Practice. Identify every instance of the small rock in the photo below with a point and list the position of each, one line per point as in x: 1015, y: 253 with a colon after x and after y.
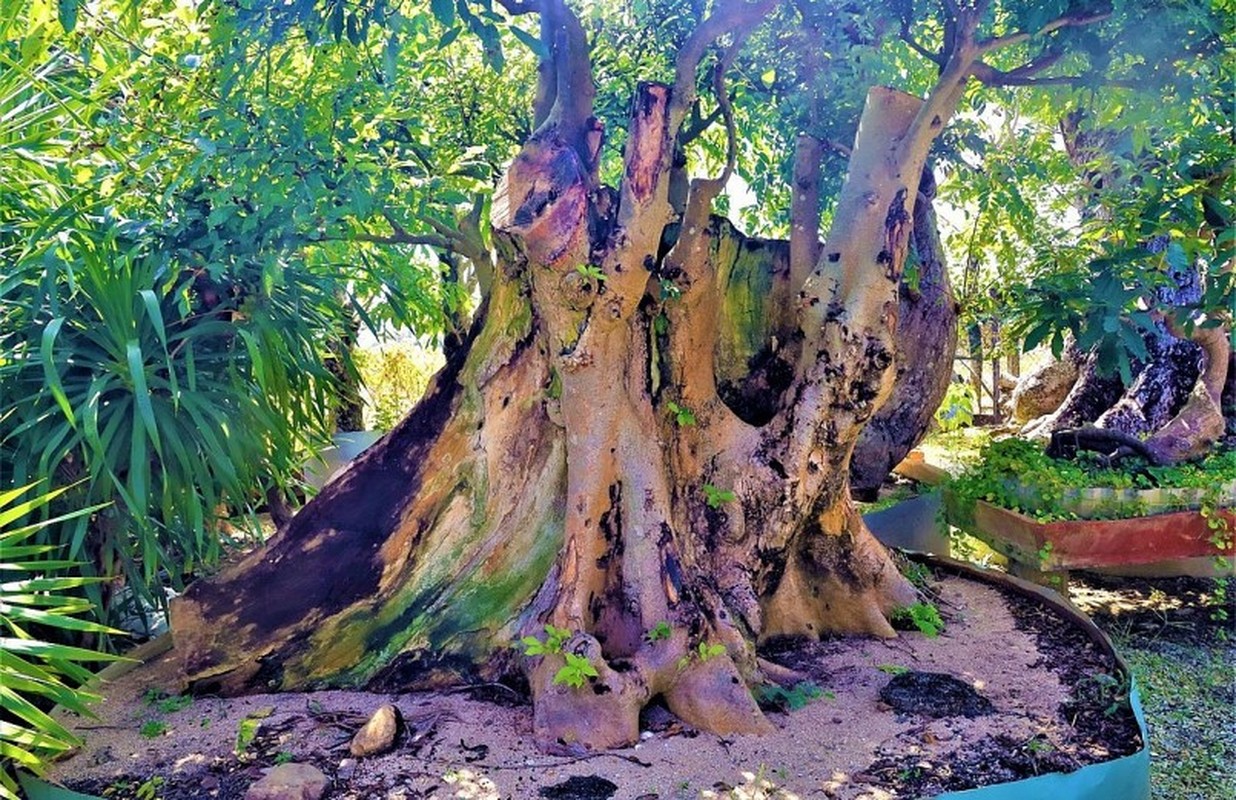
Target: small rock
x: 347, y: 768
x: 290, y: 782
x: 378, y: 734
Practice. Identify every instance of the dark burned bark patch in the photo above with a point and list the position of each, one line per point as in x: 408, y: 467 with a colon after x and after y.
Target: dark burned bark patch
x: 270, y: 672
x: 896, y: 235
x: 934, y: 694
x: 334, y: 541
x: 425, y: 669
x: 533, y: 206
x: 831, y: 555
x: 672, y: 572
x: 772, y: 570
x: 611, y: 519
x: 717, y: 521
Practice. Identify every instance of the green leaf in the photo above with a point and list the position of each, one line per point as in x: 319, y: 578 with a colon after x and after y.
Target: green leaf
x: 390, y: 58
x: 533, y: 43
x: 443, y: 11
x: 50, y: 373
x: 141, y: 391
x: 67, y: 13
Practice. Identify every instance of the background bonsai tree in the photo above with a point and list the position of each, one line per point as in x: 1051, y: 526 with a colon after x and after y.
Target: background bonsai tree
x: 1129, y: 227
x: 650, y: 418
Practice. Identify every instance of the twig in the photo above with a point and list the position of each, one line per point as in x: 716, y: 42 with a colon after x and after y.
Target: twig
x: 568, y: 760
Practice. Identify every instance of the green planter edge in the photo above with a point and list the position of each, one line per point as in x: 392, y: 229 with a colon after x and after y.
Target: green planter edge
x: 1127, y: 777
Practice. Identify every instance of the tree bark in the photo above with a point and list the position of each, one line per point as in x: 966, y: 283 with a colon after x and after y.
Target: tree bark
x: 927, y: 334
x: 1173, y: 408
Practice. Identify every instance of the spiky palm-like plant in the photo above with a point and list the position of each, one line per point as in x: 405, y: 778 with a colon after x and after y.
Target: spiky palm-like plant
x: 36, y: 599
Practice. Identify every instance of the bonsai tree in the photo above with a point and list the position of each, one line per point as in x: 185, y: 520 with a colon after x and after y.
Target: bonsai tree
x: 636, y: 458
x: 1131, y: 276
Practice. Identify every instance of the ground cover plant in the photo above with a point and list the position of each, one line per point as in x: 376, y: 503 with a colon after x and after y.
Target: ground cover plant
x: 1019, y: 474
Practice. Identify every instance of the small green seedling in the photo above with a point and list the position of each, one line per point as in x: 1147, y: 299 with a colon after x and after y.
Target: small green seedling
x: 166, y: 703
x: 1038, y: 746
x: 248, y: 729
x: 792, y: 699
x: 893, y: 669
x: 919, y: 575
x: 683, y: 417
x: 283, y: 757
x: 554, y: 639
x: 149, y: 790
x: 575, y: 672
x: 923, y: 616
x: 153, y: 729
x: 591, y: 271
x: 659, y: 632
x: 715, y: 497
x: 703, y: 651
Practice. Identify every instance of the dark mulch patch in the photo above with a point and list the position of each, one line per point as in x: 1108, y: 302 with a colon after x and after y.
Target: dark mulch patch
x: 1170, y: 610
x: 580, y: 787
x: 934, y: 694
x: 222, y: 782
x: 1098, y: 707
x: 994, y: 760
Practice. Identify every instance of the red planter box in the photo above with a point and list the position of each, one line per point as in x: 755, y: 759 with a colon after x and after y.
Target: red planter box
x: 1080, y: 544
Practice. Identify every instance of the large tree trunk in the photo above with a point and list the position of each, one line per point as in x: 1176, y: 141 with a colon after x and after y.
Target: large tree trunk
x: 576, y: 462
x: 927, y: 340
x: 543, y: 479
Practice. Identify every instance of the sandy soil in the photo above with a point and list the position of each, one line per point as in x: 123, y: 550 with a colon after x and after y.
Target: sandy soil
x: 457, y: 746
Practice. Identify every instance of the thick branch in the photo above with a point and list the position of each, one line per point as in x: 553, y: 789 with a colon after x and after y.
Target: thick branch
x: 805, y: 208
x: 715, y: 185
x: 945, y: 95
x: 699, y: 124
x: 565, y: 90
x: 1112, y: 443
x: 908, y: 38
x: 1032, y: 67
x: 730, y: 16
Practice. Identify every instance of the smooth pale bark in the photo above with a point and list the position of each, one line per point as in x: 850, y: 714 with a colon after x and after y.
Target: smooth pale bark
x: 927, y: 341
